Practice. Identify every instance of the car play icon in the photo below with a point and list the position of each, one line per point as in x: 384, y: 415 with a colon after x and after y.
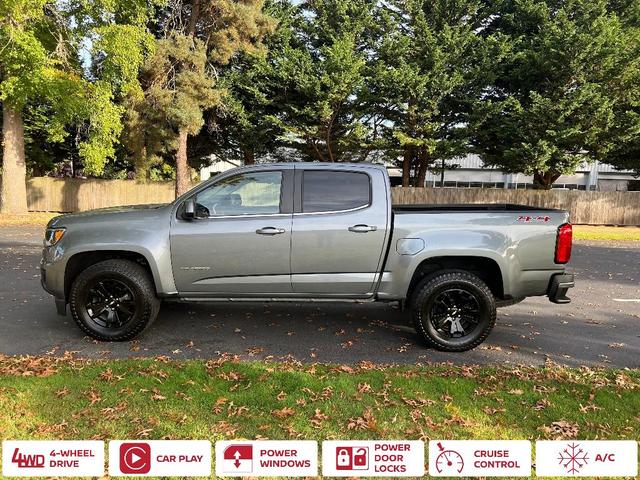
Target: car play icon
x: 135, y: 458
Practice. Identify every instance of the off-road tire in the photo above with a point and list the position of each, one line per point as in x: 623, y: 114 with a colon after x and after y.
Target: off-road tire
x: 431, y: 287
x: 136, y: 278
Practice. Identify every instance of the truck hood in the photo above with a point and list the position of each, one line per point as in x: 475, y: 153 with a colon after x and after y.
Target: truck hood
x: 125, y: 212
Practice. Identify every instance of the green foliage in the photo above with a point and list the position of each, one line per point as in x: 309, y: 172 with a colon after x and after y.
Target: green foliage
x: 534, y: 86
x: 432, y: 67
x: 319, y: 64
x: 41, y: 67
x: 557, y: 95
x: 180, y: 78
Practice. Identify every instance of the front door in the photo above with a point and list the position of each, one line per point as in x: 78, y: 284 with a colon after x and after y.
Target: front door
x: 239, y: 242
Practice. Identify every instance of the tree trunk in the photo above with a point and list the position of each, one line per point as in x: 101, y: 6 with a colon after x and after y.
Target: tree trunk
x: 141, y: 165
x: 14, y: 169
x: 406, y: 166
x: 249, y: 156
x: 544, y: 180
x: 193, y: 18
x: 424, y: 164
x: 183, y: 180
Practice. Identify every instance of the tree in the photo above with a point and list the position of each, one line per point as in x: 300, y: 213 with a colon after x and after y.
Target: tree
x: 40, y: 64
x: 318, y: 68
x: 179, y: 80
x: 432, y: 65
x: 625, y: 144
x: 553, y: 104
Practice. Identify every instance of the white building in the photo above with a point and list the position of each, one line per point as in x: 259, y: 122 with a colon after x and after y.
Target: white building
x: 470, y: 173
x: 216, y: 166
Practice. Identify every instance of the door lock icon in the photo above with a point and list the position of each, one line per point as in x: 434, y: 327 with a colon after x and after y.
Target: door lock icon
x: 352, y: 458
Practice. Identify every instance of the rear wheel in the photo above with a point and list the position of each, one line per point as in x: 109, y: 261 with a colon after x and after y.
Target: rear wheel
x: 453, y: 311
x: 113, y: 300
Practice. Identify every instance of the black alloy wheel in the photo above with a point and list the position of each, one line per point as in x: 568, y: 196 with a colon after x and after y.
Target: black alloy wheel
x: 110, y: 303
x: 114, y: 300
x: 453, y: 310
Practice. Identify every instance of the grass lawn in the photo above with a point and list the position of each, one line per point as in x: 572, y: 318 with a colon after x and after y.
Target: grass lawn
x: 45, y: 398
x: 591, y: 232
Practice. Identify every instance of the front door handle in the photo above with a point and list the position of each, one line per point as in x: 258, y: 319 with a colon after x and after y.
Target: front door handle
x: 270, y: 231
x: 363, y: 228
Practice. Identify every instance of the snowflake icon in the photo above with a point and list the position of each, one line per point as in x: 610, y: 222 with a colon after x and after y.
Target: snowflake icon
x: 573, y: 458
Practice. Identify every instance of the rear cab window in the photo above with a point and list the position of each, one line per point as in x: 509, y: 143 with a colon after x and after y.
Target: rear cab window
x: 334, y: 191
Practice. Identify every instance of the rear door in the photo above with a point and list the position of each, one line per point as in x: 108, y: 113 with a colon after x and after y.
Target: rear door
x: 339, y: 230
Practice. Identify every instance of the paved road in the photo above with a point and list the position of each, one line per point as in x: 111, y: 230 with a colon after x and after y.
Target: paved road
x: 595, y: 329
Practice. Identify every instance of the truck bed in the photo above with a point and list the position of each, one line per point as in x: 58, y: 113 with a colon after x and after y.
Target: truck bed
x: 469, y: 207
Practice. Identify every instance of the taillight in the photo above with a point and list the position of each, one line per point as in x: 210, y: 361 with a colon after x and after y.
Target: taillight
x: 563, y: 243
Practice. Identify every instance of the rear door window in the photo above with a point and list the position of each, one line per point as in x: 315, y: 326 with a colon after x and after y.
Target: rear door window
x: 332, y: 191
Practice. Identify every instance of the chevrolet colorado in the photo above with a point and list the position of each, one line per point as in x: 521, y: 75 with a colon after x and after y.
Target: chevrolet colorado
x: 300, y: 232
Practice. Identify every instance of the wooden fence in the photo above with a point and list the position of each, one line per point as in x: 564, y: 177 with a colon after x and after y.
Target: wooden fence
x: 45, y: 194
x: 594, y: 208
x: 597, y: 208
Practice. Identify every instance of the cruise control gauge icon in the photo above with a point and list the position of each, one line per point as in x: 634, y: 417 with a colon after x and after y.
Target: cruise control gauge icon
x: 449, y: 461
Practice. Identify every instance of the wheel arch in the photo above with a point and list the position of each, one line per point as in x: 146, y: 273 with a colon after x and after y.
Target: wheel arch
x: 83, y: 260
x: 485, y: 268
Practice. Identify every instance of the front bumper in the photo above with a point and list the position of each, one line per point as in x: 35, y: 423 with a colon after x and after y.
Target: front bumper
x: 558, y: 287
x: 52, y: 277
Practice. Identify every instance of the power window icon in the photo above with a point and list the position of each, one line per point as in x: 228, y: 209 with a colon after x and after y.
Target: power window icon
x: 352, y: 458
x: 135, y: 458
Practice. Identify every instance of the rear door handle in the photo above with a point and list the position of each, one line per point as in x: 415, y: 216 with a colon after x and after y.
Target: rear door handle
x: 270, y: 231
x: 363, y: 228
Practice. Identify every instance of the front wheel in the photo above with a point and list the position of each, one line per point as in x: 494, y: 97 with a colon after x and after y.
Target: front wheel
x: 454, y: 311
x: 113, y: 300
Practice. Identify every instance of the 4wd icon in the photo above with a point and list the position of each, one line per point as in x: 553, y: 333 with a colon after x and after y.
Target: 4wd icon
x: 238, y: 458
x: 27, y: 461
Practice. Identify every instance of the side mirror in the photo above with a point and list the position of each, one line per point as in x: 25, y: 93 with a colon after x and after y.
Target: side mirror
x: 189, y: 209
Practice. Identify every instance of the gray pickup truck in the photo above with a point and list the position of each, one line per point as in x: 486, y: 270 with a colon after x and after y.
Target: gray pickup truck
x: 306, y: 232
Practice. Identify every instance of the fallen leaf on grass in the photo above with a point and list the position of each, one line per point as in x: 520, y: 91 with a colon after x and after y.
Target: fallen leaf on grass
x: 364, y: 387
x: 318, y: 418
x: 366, y: 422
x: 62, y: 392
x: 560, y: 430
x: 493, y: 411
x: 589, y: 407
x: 542, y: 404
x: 94, y: 397
x: 283, y: 412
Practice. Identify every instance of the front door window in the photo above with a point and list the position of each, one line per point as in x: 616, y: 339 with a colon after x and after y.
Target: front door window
x: 252, y: 193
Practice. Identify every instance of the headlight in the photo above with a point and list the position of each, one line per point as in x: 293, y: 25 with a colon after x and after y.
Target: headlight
x: 53, y: 236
